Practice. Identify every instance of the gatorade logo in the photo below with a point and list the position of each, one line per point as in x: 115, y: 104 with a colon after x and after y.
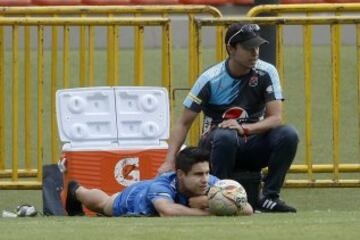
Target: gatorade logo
x: 127, y: 172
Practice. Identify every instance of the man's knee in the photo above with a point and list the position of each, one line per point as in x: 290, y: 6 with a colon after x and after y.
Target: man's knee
x: 288, y: 134
x: 227, y: 137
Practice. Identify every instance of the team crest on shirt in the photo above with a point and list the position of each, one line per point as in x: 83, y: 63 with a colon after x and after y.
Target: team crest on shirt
x: 254, y: 81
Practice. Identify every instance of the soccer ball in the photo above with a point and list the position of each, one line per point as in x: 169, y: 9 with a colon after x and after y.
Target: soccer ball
x: 227, y: 198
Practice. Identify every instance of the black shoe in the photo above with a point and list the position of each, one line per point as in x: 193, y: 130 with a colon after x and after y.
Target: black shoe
x: 274, y: 205
x: 73, y: 205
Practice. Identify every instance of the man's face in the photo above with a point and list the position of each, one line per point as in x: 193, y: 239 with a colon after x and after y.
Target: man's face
x: 242, y: 56
x: 195, y: 182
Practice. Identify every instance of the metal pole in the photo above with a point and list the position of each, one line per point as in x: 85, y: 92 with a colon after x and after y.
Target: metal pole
x: 268, y: 51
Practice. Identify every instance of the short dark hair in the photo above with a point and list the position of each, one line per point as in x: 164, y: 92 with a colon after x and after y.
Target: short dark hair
x: 189, y: 156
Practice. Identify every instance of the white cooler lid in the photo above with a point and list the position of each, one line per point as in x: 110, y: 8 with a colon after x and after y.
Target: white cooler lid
x: 109, y: 117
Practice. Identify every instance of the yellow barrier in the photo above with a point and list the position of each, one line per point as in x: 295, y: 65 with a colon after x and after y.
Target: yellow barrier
x: 315, y: 9
x: 303, y: 8
x: 111, y: 11
x: 334, y: 22
x: 65, y: 17
x: 308, y: 9
x: 40, y: 24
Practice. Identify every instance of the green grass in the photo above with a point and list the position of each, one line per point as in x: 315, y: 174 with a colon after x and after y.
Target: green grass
x: 305, y: 200
x: 300, y: 226
x: 322, y: 214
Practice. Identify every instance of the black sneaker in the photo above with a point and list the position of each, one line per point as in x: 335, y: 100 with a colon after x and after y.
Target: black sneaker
x: 73, y: 205
x: 274, y: 205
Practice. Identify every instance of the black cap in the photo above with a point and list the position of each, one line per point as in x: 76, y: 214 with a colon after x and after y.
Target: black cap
x: 246, y: 34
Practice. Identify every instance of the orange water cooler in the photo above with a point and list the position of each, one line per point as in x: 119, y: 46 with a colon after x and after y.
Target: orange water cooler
x: 113, y: 136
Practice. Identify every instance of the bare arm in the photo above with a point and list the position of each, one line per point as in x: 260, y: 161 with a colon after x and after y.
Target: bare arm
x: 199, y: 202
x: 177, y: 138
x: 273, y: 118
x: 165, y: 208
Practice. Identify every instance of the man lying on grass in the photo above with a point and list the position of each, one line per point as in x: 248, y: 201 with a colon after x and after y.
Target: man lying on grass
x: 180, y: 193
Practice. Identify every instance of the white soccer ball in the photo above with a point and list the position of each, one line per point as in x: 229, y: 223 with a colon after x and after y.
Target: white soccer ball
x: 227, y: 198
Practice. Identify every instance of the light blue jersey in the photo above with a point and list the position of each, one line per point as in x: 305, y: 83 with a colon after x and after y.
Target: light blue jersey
x: 138, y: 199
x: 217, y: 93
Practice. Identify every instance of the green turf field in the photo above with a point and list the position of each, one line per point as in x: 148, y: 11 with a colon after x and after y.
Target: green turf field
x: 307, y: 225
x: 323, y: 213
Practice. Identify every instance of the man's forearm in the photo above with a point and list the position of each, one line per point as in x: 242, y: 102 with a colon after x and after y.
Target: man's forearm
x: 180, y: 210
x: 263, y: 125
x: 177, y: 138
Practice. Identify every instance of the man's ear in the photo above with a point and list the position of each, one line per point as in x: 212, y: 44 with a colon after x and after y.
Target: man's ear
x: 180, y: 173
x: 230, y: 49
